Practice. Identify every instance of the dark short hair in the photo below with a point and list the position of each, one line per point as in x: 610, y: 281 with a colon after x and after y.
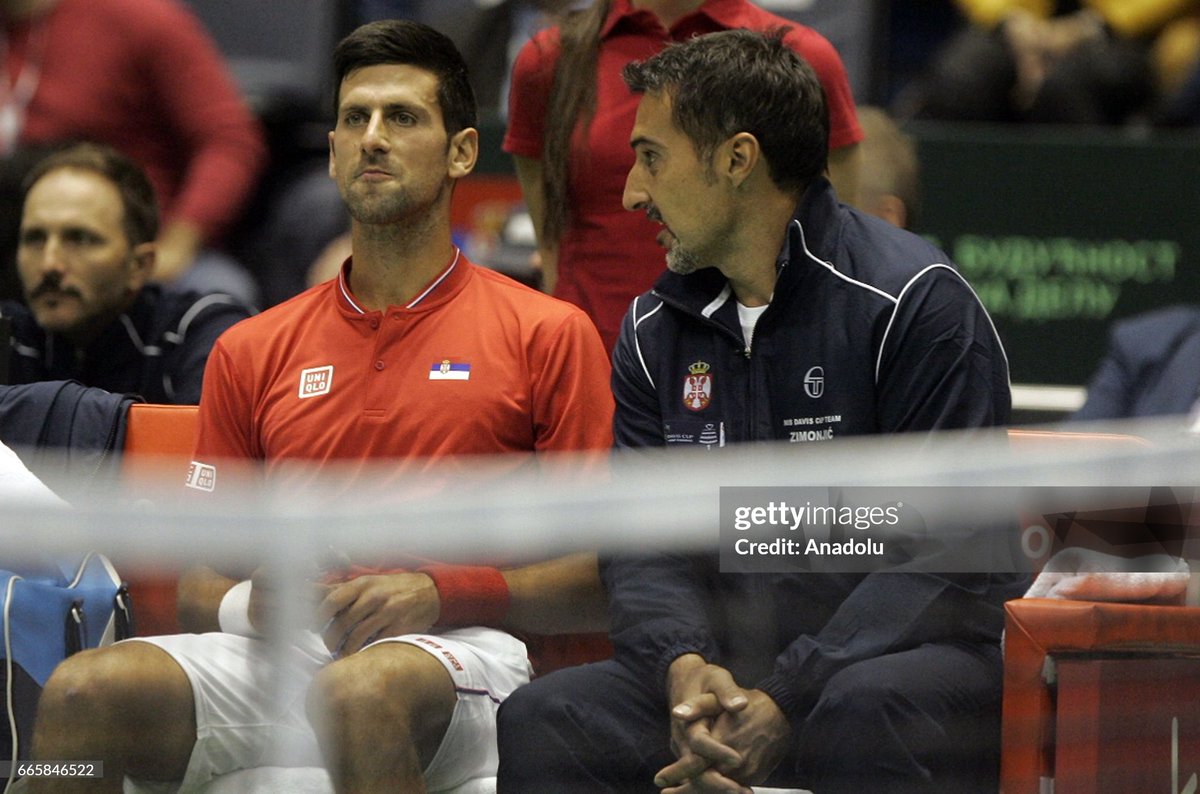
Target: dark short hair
x: 402, y: 41
x: 736, y: 81
x: 140, y: 216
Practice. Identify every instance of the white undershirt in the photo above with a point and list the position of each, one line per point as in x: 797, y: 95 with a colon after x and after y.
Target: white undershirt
x: 748, y: 317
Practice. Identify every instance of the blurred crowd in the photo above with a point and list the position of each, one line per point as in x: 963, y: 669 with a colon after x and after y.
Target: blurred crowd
x: 245, y: 201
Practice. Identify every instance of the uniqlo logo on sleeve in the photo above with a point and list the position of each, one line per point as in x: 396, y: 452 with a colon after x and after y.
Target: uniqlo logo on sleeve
x: 202, y: 476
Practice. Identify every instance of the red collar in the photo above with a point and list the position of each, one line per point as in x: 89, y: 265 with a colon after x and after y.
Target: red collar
x: 440, y: 288
x: 726, y: 14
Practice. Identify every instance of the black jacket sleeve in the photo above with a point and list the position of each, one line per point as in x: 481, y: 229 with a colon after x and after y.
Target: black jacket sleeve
x: 24, y: 349
x: 657, y: 600
x: 204, y: 321
x: 659, y: 610
x: 638, y: 419
x: 889, y: 612
x: 941, y: 365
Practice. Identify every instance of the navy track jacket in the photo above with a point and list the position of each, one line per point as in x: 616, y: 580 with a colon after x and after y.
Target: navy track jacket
x: 870, y: 330
x: 156, y: 349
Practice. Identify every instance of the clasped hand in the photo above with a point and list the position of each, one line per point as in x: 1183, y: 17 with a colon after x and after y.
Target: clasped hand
x: 726, y: 738
x: 353, y: 614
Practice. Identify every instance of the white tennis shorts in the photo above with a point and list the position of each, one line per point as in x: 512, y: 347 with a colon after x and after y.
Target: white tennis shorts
x: 250, y: 698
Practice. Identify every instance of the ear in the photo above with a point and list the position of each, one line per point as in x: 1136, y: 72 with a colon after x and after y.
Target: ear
x: 463, y: 152
x: 332, y: 170
x: 141, y: 264
x: 740, y: 155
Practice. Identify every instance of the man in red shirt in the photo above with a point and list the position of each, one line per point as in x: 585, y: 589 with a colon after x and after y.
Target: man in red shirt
x: 411, y: 354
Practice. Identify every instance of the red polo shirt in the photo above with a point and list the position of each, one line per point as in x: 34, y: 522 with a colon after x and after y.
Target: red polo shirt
x: 475, y: 365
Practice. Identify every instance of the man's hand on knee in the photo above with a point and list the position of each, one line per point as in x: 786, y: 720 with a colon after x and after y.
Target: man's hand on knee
x: 358, y: 612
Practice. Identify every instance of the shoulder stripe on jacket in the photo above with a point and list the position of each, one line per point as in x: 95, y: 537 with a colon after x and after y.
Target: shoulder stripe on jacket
x: 828, y: 266
x: 136, y: 338
x: 637, y: 345
x: 939, y: 266
x: 215, y: 299
x: 24, y: 350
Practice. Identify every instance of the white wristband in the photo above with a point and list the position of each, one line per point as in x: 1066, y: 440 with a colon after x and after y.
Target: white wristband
x: 234, y: 613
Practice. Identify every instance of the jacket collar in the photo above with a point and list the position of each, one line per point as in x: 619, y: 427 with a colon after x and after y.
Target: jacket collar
x: 116, y: 346
x: 812, y: 234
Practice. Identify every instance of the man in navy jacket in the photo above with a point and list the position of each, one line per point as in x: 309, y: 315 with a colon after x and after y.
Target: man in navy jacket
x: 785, y: 316
x: 1150, y: 368
x: 86, y: 251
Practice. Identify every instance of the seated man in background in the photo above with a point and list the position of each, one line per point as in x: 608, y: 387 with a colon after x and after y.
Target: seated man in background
x: 1152, y: 368
x: 411, y: 355
x: 85, y: 256
x: 782, y: 309
x: 144, y: 77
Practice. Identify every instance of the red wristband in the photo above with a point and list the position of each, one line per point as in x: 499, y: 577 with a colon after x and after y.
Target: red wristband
x: 470, y: 595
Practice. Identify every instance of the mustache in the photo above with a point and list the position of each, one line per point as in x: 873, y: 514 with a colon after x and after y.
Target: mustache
x: 51, y: 284
x: 372, y: 162
x: 653, y: 214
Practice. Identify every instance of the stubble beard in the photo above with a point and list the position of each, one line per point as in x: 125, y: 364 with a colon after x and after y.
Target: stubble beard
x: 399, y: 208
x: 682, y: 261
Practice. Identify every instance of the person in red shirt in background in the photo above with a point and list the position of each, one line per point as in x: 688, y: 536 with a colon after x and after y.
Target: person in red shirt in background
x: 144, y: 77
x: 412, y: 354
x: 569, y: 119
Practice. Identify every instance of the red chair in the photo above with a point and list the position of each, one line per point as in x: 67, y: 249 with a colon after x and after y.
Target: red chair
x: 158, y: 451
x: 1098, y: 697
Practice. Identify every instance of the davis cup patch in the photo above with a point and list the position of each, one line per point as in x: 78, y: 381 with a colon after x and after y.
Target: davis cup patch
x: 697, y: 387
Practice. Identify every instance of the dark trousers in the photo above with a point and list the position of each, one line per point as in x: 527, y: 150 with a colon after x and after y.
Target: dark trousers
x: 921, y: 721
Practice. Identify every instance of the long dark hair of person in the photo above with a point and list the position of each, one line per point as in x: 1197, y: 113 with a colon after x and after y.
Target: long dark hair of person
x: 572, y: 99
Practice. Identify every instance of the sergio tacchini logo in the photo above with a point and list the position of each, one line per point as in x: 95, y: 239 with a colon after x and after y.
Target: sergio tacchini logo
x: 814, y: 382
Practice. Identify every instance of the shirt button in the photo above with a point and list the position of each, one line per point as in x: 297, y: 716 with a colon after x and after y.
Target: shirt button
x: 374, y: 322
x: 379, y: 365
x: 397, y: 317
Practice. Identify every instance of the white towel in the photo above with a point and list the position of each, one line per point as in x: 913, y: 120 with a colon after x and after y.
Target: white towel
x: 19, y: 484
x: 1084, y: 575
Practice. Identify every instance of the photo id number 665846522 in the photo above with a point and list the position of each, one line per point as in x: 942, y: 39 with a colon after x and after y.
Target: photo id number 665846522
x: 68, y: 769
